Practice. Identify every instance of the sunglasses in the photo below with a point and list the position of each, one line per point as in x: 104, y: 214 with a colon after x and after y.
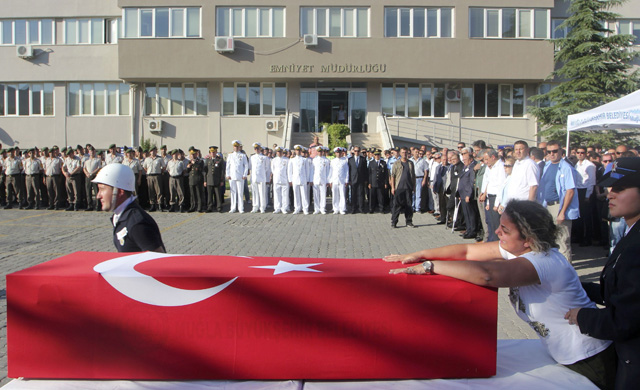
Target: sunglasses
x: 606, y: 161
x: 508, y: 166
x: 580, y: 152
x: 618, y: 153
x: 460, y: 147
x: 552, y: 151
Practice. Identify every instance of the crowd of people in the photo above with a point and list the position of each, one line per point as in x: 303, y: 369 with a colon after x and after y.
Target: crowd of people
x: 465, y: 189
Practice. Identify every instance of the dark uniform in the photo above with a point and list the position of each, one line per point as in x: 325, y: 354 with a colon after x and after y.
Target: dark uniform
x: 215, y: 171
x: 196, y: 184
x: 136, y: 231
x: 378, y: 180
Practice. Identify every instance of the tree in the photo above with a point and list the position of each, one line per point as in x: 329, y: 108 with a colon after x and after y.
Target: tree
x: 593, y: 66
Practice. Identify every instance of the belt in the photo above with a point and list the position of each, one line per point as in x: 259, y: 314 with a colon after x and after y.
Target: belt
x: 53, y: 175
x: 176, y: 177
x: 491, y: 195
x: 15, y: 174
x: 153, y: 174
x: 555, y: 202
x: 418, y: 177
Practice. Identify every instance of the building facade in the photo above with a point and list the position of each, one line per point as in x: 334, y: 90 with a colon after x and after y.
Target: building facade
x: 182, y: 73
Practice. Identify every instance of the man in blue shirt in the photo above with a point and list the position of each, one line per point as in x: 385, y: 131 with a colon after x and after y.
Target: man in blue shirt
x: 557, y: 192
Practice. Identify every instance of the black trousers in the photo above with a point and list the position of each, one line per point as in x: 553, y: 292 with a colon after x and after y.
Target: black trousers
x: 584, y: 224
x: 376, y: 199
x: 357, y: 197
x: 471, y: 216
x: 402, y: 201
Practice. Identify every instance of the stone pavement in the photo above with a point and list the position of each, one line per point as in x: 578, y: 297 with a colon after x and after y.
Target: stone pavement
x: 31, y: 237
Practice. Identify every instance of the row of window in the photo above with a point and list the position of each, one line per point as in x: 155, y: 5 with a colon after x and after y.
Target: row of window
x: 26, y: 99
x: 254, y: 99
x: 416, y: 22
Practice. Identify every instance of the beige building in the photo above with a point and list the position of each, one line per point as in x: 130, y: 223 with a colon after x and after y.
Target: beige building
x: 203, y: 73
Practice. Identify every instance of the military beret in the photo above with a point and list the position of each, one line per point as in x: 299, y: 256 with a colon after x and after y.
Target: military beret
x: 236, y: 143
x: 45, y: 149
x: 180, y: 151
x: 163, y: 147
x: 111, y: 146
x: 79, y: 147
x: 153, y: 148
x: 191, y: 148
x: 193, y: 151
x: 54, y: 147
x: 3, y: 151
x: 69, y: 151
x: 100, y: 152
x: 174, y: 151
x: 31, y: 150
x: 64, y: 150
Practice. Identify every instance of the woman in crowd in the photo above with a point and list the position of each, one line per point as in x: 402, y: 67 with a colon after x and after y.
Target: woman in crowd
x: 543, y: 285
x: 619, y: 289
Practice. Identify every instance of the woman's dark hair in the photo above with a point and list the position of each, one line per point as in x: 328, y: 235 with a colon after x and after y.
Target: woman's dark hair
x: 535, y: 224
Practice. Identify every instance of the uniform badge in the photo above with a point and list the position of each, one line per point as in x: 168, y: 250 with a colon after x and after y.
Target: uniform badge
x: 121, y: 235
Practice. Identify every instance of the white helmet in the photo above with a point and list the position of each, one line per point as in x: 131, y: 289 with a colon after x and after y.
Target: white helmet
x: 118, y: 176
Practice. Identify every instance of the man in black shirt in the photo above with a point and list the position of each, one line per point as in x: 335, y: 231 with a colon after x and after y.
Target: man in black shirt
x: 134, y: 229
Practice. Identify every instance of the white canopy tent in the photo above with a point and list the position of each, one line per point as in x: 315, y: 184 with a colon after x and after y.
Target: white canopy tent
x: 623, y: 113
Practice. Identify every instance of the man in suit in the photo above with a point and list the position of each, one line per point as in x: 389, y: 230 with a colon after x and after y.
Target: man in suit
x: 378, y: 181
x: 452, y: 189
x: 357, y: 180
x: 467, y: 193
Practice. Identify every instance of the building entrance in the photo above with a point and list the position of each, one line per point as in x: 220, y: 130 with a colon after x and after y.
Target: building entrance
x: 322, y: 106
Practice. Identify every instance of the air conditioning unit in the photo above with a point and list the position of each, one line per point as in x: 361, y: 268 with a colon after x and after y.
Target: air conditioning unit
x: 453, y: 95
x: 24, y: 51
x: 271, y: 125
x: 154, y: 126
x: 224, y: 44
x: 310, y: 39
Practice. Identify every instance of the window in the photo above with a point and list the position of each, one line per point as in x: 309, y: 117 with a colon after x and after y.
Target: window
x: 176, y: 99
x: 558, y: 32
x: 98, y: 99
x: 413, y: 99
x: 418, y: 22
x: 162, y: 22
x: 509, y: 23
x: 26, y: 99
x: 254, y: 98
x: 27, y: 32
x: 334, y: 22
x: 250, y: 22
x: 630, y: 27
x: 493, y: 100
x: 95, y: 31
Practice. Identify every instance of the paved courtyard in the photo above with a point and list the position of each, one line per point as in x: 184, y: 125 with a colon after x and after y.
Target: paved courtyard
x: 32, y: 237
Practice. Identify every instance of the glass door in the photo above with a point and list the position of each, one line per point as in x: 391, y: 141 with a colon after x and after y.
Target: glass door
x: 308, y: 111
x: 357, y: 111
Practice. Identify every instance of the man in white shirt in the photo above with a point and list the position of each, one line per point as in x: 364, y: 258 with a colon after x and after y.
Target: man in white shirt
x: 421, y: 170
x: 259, y: 170
x: 321, y: 165
x: 279, y: 171
x: 236, y: 171
x: 584, y: 224
x: 492, y: 184
x: 298, y: 173
x: 525, y: 176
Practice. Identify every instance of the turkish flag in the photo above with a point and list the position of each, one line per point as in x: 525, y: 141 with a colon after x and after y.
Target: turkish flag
x: 175, y: 317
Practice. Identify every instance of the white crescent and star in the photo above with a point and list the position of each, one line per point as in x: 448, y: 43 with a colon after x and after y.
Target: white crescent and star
x: 121, y: 274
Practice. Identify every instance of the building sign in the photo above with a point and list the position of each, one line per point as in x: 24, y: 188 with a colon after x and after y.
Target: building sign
x: 330, y: 68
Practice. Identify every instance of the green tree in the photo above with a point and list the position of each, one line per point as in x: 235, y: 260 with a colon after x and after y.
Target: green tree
x: 337, y: 135
x: 593, y: 66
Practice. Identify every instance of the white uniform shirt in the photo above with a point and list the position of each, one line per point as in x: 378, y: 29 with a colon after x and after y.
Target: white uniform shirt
x: 237, y: 166
x: 544, y: 305
x: 71, y: 163
x: 32, y: 167
x: 494, y: 178
x: 525, y: 174
x: 279, y: 169
x: 259, y: 166
x: 134, y: 164
x: 298, y: 170
x: 53, y: 166
x: 153, y: 166
x: 12, y: 166
x: 175, y: 167
x: 321, y: 167
x: 92, y: 164
x: 113, y: 159
x: 587, y: 171
x: 339, y: 171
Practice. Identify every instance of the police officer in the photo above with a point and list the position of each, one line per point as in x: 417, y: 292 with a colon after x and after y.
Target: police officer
x: 214, y: 169
x: 134, y: 229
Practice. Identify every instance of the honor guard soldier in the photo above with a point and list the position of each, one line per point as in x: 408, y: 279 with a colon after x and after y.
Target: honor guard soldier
x: 321, y: 168
x: 338, y: 180
x: 33, y: 169
x: 279, y: 176
x: 237, y: 170
x: 298, y: 173
x: 196, y: 182
x: 134, y: 229
x: 90, y: 168
x: 214, y: 170
x: 154, y: 166
x: 72, y: 169
x: 54, y: 180
x: 378, y: 182
x: 259, y: 169
x: 12, y: 170
x: 132, y: 162
x: 175, y: 168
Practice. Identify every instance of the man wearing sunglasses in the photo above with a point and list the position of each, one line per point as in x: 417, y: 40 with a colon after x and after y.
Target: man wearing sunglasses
x: 557, y: 192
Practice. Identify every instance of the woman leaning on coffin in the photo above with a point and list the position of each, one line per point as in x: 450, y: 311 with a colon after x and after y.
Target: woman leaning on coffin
x: 542, y: 284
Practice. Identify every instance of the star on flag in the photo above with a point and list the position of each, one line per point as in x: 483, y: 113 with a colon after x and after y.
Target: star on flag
x: 284, y: 266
